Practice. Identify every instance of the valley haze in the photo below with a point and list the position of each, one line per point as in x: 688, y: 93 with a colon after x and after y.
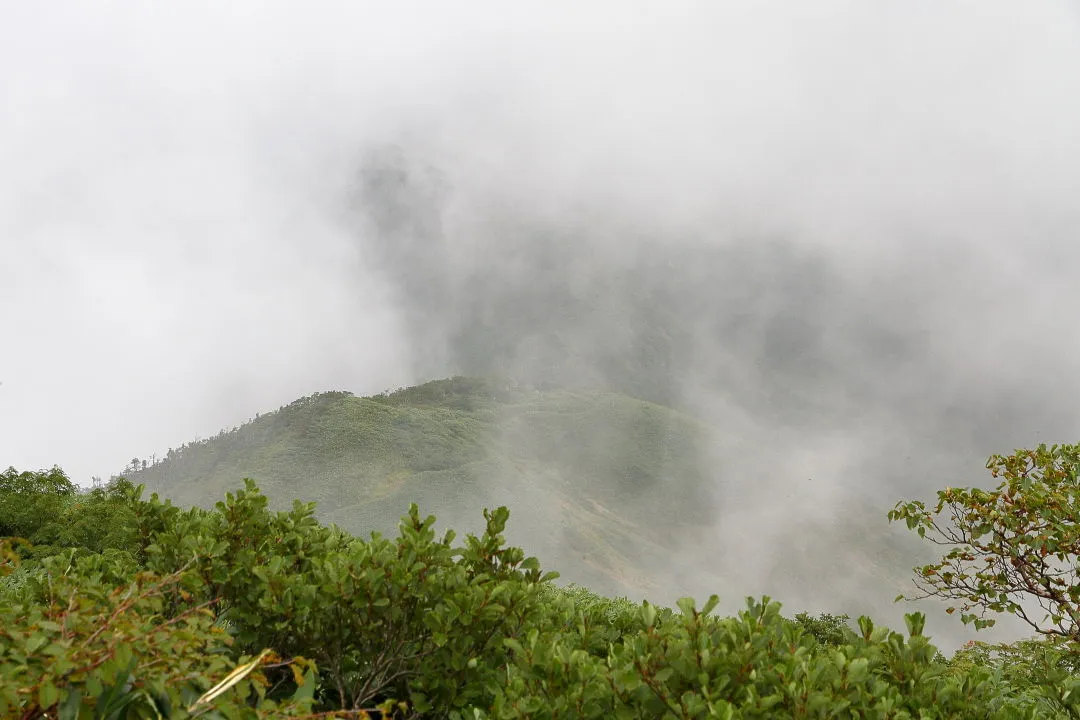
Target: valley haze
x: 841, y: 234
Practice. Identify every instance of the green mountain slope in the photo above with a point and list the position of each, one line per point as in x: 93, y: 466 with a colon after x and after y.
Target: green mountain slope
x: 602, y: 485
x: 618, y: 494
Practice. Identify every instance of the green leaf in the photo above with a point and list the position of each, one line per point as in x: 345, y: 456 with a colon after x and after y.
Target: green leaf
x: 48, y: 694
x: 686, y: 604
x: 69, y: 709
x: 306, y: 689
x: 420, y: 703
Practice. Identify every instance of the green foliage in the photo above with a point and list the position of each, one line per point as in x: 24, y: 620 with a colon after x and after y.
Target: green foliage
x: 457, y: 393
x: 1014, y: 549
x: 46, y: 508
x: 92, y: 649
x: 756, y: 665
x: 1035, y: 672
x: 29, y: 501
x: 826, y: 628
x: 42, y: 483
x: 244, y: 611
x: 409, y: 618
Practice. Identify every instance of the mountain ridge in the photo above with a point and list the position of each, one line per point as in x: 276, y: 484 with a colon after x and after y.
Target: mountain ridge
x: 621, y: 495
x: 597, y: 477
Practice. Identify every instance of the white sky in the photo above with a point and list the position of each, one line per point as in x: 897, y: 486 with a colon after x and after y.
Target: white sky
x: 174, y: 257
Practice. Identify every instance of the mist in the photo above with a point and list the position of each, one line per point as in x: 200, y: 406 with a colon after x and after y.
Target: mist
x: 841, y: 233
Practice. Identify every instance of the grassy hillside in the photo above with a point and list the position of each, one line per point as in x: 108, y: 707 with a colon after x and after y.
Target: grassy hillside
x: 597, y: 481
x: 618, y: 493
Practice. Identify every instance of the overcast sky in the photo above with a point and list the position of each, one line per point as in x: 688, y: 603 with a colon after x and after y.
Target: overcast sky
x: 174, y: 256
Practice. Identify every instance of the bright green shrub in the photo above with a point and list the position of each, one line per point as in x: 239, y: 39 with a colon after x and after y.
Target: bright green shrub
x: 93, y: 649
x: 422, y: 626
x: 414, y: 619
x: 756, y: 665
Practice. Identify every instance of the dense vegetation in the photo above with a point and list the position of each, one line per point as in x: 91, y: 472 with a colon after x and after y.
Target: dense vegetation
x: 116, y: 606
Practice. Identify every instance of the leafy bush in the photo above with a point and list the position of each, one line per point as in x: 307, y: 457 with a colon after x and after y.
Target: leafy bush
x: 239, y: 611
x: 756, y: 665
x: 1014, y: 549
x: 826, y: 628
x: 90, y: 648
